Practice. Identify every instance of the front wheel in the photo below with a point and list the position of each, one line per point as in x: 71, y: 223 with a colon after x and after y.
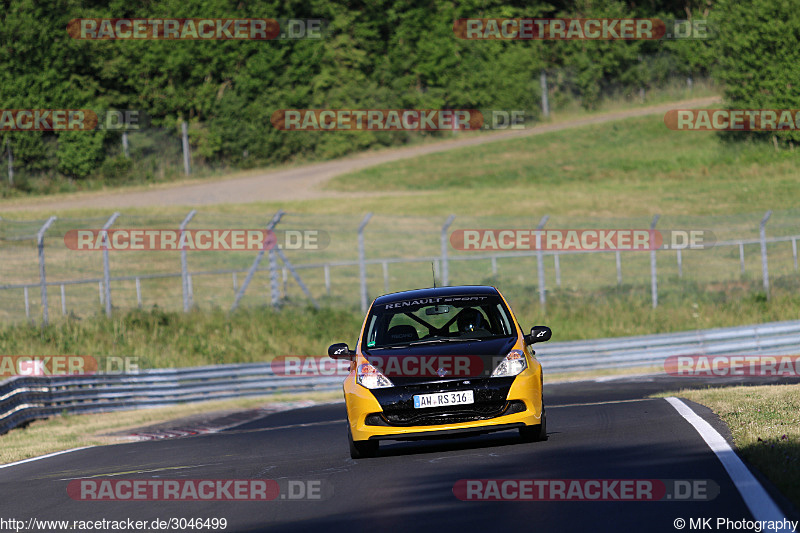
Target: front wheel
x: 535, y: 433
x: 360, y: 449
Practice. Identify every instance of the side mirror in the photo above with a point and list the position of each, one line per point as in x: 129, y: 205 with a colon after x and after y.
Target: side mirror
x: 538, y: 334
x: 340, y: 350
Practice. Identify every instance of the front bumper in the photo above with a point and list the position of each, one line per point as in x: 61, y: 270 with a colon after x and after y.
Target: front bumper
x: 500, y: 404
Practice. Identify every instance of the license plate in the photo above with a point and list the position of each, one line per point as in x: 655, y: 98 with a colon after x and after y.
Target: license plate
x: 442, y: 399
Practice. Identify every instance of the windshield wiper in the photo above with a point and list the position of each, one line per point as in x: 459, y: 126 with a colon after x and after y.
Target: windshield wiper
x: 444, y: 340
x: 431, y: 341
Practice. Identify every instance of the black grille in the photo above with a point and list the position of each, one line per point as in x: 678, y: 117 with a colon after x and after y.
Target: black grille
x: 445, y: 415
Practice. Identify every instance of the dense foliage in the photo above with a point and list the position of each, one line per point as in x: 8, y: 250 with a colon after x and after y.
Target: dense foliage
x: 377, y: 54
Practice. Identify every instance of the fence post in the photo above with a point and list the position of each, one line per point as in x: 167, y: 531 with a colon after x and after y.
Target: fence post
x: 794, y: 252
x: 680, y: 263
x: 362, y: 266
x: 540, y: 261
x: 327, y: 271
x: 187, y: 169
x: 27, y: 303
x: 138, y: 293
x: 741, y: 257
x: 385, y: 266
x: 445, y: 266
x: 42, y: 276
x: 250, y: 273
x: 10, y: 163
x: 295, y: 275
x: 557, y: 266
x: 619, y: 267
x: 653, y: 279
x: 274, y: 289
x: 545, y: 103
x: 63, y: 300
x: 763, y: 236
x: 187, y: 303
x: 125, y: 148
x: 106, y: 276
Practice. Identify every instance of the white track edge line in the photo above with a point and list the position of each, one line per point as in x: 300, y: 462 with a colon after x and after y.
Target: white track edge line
x: 758, y: 501
x: 30, y: 460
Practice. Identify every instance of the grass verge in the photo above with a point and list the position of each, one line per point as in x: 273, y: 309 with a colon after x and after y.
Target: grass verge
x: 74, y: 431
x: 765, y: 425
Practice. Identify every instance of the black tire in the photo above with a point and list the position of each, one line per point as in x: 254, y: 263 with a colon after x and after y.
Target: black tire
x: 535, y: 433
x: 359, y: 449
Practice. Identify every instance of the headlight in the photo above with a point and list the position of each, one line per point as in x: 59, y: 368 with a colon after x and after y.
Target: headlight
x: 369, y: 377
x: 513, y: 364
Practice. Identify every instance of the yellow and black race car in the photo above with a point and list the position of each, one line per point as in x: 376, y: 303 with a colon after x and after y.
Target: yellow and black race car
x: 441, y: 362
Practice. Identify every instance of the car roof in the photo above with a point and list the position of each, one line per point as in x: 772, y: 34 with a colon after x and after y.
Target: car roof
x: 438, y: 291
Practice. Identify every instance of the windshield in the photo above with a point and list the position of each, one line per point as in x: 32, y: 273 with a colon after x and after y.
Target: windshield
x: 437, y: 319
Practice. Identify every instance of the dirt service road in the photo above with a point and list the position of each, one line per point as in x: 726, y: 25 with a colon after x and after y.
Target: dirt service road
x: 304, y: 182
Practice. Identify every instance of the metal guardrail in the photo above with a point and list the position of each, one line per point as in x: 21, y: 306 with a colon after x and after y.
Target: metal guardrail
x: 23, y: 399
x: 775, y: 338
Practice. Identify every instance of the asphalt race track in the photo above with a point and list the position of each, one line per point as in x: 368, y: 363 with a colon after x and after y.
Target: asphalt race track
x: 597, y: 430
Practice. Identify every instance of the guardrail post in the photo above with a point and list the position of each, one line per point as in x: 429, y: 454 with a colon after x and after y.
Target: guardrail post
x: 42, y: 276
x: 187, y: 303
x: 653, y: 279
x: 445, y: 266
x: 763, y: 236
x: 540, y: 261
x: 272, y: 223
x: 106, y: 275
x: 362, y: 266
